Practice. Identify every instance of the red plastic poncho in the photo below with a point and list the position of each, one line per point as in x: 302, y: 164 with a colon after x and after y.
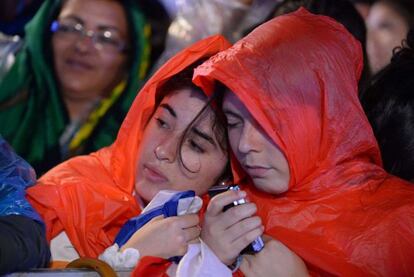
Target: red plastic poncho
x: 344, y: 215
x: 90, y: 197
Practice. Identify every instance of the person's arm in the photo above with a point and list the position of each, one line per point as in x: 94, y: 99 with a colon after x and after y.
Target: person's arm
x: 23, y: 244
x: 275, y: 259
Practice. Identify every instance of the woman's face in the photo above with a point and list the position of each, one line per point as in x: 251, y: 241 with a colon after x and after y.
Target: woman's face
x: 159, y: 163
x: 259, y: 156
x: 86, y: 70
x: 386, y: 29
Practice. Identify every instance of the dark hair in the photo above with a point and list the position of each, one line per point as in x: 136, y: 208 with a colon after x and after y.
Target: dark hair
x: 342, y: 11
x: 183, y: 80
x: 389, y: 105
x: 368, y: 2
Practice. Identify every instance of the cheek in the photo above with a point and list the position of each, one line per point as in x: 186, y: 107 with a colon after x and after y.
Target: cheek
x: 146, y: 145
x: 113, y: 65
x: 190, y: 161
x: 212, y: 171
x: 209, y: 171
x: 234, y: 138
x: 58, y: 48
x: 109, y: 72
x: 279, y: 159
x: 400, y: 33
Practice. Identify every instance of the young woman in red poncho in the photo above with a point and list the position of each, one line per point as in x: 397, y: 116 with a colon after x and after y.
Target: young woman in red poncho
x: 307, y: 156
x: 170, y: 139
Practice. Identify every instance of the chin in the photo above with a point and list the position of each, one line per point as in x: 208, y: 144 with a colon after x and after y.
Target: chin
x: 145, y: 194
x: 269, y: 187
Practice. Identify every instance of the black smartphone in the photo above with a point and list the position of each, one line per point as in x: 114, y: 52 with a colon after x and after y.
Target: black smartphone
x: 256, y: 245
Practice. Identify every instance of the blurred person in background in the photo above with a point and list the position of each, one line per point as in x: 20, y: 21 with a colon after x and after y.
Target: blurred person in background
x: 363, y: 7
x: 389, y: 105
x: 388, y: 23
x: 72, y: 83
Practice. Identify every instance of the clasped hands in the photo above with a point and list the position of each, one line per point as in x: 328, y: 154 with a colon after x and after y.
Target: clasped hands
x: 226, y: 233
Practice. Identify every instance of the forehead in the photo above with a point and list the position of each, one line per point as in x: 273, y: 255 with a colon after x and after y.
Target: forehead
x: 187, y: 104
x: 383, y: 10
x: 232, y: 103
x: 96, y: 12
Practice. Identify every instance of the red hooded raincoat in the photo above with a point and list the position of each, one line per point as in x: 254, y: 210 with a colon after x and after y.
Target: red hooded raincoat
x: 344, y: 215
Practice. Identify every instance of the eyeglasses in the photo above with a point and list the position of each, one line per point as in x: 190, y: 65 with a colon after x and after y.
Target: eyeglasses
x: 105, y: 40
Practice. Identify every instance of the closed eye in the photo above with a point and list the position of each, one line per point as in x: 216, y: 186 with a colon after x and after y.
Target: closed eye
x: 231, y: 125
x: 196, y: 147
x: 161, y: 123
x: 233, y: 120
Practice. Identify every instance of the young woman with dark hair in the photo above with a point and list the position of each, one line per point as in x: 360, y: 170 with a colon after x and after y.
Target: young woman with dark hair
x: 171, y: 139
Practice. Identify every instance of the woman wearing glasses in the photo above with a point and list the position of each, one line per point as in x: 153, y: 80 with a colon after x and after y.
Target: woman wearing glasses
x: 74, y: 80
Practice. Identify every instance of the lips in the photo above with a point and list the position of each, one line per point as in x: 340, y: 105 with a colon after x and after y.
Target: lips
x: 77, y: 64
x: 153, y: 174
x: 256, y: 171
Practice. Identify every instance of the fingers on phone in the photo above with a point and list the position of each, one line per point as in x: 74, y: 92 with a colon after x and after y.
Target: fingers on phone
x: 239, y: 212
x: 243, y: 227
x: 248, y: 237
x: 218, y: 202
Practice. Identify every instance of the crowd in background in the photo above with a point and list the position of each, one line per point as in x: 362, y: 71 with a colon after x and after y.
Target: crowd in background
x: 71, y: 69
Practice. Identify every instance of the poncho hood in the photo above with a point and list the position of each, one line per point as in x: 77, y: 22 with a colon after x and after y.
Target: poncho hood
x: 343, y: 214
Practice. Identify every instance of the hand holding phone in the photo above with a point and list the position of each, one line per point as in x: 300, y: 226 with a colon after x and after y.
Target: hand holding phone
x: 228, y: 233
x: 256, y: 245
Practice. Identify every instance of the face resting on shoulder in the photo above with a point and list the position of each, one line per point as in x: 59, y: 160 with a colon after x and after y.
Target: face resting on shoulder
x: 259, y: 156
x: 90, y: 66
x: 167, y: 160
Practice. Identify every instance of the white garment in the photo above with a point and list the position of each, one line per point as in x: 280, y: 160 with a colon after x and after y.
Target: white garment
x: 127, y: 259
x: 200, y: 261
x: 62, y: 249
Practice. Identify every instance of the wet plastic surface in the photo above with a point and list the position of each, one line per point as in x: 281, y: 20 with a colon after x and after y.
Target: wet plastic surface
x: 16, y: 175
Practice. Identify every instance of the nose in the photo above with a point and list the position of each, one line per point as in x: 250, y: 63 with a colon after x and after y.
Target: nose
x: 167, y: 149
x: 85, y: 43
x: 249, y: 139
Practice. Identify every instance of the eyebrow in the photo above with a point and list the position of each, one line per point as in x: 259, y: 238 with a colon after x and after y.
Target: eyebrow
x: 81, y: 21
x: 203, y: 135
x: 73, y: 17
x: 169, y: 109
